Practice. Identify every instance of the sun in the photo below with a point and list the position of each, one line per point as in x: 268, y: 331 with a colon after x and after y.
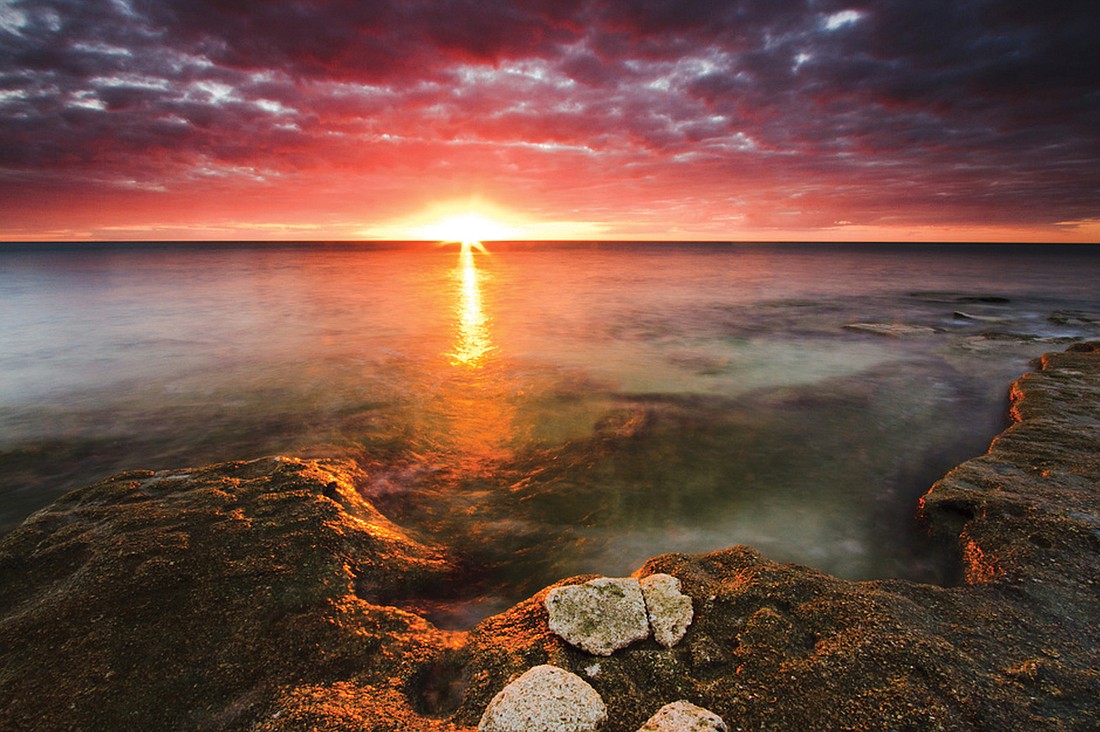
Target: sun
x: 469, y: 229
x: 467, y: 222
x: 477, y: 219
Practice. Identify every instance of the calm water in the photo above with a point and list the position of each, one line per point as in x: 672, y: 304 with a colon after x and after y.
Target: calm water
x: 543, y: 411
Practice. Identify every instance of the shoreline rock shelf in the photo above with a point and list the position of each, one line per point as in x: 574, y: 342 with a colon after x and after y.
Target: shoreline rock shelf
x: 259, y: 596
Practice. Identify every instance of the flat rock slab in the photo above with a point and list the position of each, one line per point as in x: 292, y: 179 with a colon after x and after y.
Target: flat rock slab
x: 601, y: 616
x: 683, y: 716
x: 669, y: 611
x: 545, y: 699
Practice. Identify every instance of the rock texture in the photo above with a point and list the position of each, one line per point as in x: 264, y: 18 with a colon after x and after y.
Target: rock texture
x: 219, y: 598
x: 600, y: 616
x: 545, y: 699
x: 683, y: 716
x: 258, y: 596
x: 669, y: 611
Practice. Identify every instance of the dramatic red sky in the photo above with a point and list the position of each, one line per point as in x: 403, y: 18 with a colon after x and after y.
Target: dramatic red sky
x: 647, y: 119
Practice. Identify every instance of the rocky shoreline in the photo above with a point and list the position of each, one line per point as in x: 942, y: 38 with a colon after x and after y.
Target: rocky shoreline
x: 259, y: 596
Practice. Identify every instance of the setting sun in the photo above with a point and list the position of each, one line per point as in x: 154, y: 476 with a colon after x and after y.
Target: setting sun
x: 467, y: 226
x: 476, y: 219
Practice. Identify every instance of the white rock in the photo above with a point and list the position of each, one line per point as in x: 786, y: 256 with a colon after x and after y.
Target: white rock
x: 545, y: 699
x: 683, y: 716
x: 669, y: 610
x: 600, y: 616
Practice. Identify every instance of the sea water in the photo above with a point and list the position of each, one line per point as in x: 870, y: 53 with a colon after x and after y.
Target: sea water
x: 541, y: 411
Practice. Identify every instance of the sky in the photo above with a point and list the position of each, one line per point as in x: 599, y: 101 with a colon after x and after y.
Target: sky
x: 554, y: 119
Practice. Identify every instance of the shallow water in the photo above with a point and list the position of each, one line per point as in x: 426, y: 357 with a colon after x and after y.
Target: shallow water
x: 543, y: 411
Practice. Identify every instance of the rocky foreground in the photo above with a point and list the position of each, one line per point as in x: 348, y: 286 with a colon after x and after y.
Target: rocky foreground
x: 258, y: 595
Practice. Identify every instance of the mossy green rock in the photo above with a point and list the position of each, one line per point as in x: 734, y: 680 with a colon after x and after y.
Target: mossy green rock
x: 600, y: 616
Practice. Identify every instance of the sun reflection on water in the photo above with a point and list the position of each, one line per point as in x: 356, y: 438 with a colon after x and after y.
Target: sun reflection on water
x: 476, y: 399
x: 473, y: 344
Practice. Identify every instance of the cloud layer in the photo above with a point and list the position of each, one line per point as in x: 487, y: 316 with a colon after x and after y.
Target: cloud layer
x: 689, y: 117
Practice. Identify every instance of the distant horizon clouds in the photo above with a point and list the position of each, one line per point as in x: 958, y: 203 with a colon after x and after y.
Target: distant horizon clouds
x: 650, y: 119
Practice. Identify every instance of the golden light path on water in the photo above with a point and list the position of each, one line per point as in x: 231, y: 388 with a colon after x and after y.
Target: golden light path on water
x: 475, y: 397
x: 474, y: 343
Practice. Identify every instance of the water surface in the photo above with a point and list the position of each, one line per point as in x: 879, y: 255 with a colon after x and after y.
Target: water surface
x: 543, y: 411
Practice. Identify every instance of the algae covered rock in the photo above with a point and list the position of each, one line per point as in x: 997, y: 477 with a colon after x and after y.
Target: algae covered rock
x: 210, y: 599
x: 607, y: 614
x: 683, y: 716
x: 669, y: 610
x: 601, y: 616
x: 545, y: 699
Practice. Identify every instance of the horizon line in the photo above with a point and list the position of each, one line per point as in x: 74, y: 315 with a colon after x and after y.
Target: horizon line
x: 444, y: 243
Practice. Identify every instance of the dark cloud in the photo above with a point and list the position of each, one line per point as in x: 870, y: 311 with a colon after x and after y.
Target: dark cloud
x: 972, y: 110
x: 363, y: 40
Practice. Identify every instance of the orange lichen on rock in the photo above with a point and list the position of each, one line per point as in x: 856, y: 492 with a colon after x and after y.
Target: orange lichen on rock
x: 979, y: 566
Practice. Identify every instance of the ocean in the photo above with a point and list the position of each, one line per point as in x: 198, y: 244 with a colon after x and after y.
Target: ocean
x: 544, y: 410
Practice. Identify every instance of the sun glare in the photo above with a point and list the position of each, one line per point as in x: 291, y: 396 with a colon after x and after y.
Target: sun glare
x: 468, y: 229
x: 477, y: 220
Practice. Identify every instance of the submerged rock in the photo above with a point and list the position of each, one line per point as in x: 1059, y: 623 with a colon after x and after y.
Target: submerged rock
x: 545, y: 699
x: 669, y: 611
x: 1074, y: 317
x: 959, y: 297
x: 601, y: 616
x: 895, y: 330
x: 960, y: 315
x: 683, y: 716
